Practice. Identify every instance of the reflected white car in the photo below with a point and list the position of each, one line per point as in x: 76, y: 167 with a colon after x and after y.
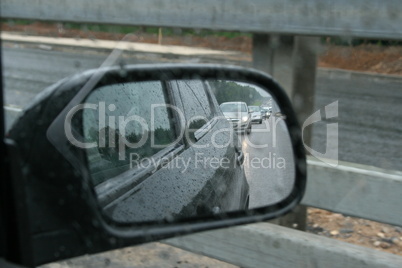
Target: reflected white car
x: 266, y: 112
x: 256, y: 114
x: 238, y: 114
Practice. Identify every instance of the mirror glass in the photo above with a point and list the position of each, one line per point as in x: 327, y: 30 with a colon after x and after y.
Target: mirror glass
x: 183, y: 148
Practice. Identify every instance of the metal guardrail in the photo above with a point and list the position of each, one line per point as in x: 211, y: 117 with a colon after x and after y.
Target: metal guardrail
x: 269, y: 245
x: 358, y: 18
x: 355, y: 190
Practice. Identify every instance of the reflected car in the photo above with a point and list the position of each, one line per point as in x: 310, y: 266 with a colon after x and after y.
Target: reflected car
x: 159, y: 179
x: 266, y: 112
x: 238, y: 115
x: 256, y: 114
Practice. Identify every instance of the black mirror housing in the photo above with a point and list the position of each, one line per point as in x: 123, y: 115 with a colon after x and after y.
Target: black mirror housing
x: 64, y: 217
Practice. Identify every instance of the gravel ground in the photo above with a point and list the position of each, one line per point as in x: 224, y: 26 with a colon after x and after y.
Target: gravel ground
x: 357, y: 231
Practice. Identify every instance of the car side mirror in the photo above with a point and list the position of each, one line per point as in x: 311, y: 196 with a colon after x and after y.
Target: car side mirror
x: 132, y: 154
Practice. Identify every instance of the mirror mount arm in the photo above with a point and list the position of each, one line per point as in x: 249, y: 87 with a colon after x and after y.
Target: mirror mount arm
x: 17, y: 238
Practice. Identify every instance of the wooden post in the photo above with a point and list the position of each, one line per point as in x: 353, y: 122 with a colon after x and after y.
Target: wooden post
x: 292, y: 62
x: 304, y: 66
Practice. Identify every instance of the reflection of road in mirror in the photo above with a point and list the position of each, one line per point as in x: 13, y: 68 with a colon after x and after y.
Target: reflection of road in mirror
x: 269, y: 167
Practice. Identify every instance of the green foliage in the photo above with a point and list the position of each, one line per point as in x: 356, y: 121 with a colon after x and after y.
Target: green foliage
x: 257, y: 103
x: 16, y: 22
x: 226, y: 91
x: 163, y: 136
x: 193, y: 127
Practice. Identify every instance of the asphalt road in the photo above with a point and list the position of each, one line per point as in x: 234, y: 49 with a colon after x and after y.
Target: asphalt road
x: 370, y: 110
x: 370, y: 118
x: 269, y: 163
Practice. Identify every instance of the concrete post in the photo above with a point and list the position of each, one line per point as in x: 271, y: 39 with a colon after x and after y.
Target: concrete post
x: 292, y: 62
